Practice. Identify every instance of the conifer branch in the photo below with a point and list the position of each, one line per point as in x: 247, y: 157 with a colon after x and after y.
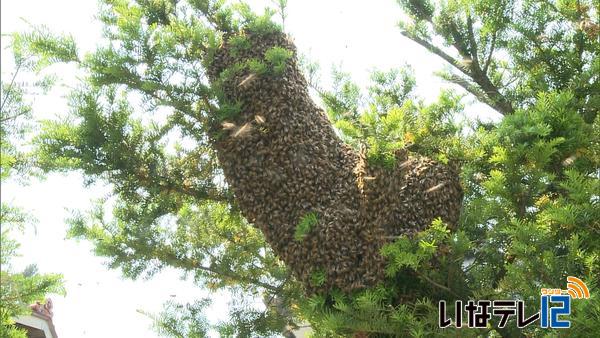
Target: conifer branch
x: 492, y: 95
x: 437, y: 51
x: 436, y: 284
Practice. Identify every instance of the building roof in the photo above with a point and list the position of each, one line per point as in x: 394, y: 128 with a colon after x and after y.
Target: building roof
x: 39, y: 323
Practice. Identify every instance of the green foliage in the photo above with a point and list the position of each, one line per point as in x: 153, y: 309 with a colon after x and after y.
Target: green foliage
x: 281, y: 10
x: 158, y: 53
x: 178, y: 320
x: 256, y: 66
x: 239, y: 43
x: 247, y: 321
x: 40, y: 48
x: 392, y: 88
x: 228, y: 112
x: 14, y: 116
x: 259, y: 24
x: 393, y: 120
x: 18, y: 290
x: 368, y: 312
x: 529, y: 217
x: 15, y: 109
x: 305, y: 226
x: 538, y: 177
x: 408, y: 252
x: 318, y: 277
x: 418, y: 9
x: 344, y: 98
x: 277, y: 58
x: 505, y: 53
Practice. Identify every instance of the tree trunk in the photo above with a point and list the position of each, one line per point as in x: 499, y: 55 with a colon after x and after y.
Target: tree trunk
x: 283, y: 160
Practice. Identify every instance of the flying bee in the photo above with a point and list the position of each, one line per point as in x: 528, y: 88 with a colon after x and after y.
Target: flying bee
x: 589, y: 27
x: 259, y: 119
x: 243, y: 130
x: 569, y: 160
x: 404, y: 164
x: 228, y: 125
x: 247, y: 80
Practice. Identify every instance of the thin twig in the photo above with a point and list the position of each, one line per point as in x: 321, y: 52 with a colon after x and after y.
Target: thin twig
x: 436, y: 284
x: 489, y: 58
x: 437, y: 51
x: 10, y: 86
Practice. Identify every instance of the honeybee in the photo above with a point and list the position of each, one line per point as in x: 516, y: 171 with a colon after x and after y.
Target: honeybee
x: 247, y: 80
x: 435, y: 187
x: 259, y: 119
x: 243, y: 130
x: 228, y: 125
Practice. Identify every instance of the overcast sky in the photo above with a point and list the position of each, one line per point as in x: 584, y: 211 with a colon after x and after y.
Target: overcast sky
x: 358, y: 35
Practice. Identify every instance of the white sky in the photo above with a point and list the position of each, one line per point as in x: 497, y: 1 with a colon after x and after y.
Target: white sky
x: 359, y: 35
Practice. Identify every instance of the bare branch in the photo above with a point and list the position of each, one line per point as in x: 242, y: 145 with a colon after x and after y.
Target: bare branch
x: 472, y: 44
x: 9, y: 89
x: 191, y: 264
x: 436, y: 284
x: 488, y: 61
x: 487, y: 91
x: 473, y: 89
x: 437, y: 51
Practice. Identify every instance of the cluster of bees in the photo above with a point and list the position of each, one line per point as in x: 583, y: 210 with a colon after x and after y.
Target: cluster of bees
x: 283, y: 160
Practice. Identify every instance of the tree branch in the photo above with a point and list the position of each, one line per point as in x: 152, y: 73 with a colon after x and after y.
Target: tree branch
x: 488, y: 92
x: 473, y: 89
x: 192, y: 264
x: 9, y: 89
x: 436, y: 284
x: 437, y: 51
x: 472, y: 45
x: 488, y: 61
x: 232, y: 275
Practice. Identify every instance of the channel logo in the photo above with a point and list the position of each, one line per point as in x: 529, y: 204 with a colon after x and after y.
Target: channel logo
x: 555, y: 307
x: 577, y: 289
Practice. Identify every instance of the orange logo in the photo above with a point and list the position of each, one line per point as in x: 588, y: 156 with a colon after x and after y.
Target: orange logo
x: 577, y: 288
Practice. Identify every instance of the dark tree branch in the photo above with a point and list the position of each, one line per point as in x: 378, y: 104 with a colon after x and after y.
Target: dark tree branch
x: 169, y: 186
x: 488, y: 92
x: 232, y: 275
x: 5, y: 119
x: 437, y: 51
x: 480, y: 77
x: 472, y: 44
x: 438, y: 285
x: 486, y: 66
x: 8, y: 90
x: 459, y: 41
x: 192, y: 264
x: 474, y: 90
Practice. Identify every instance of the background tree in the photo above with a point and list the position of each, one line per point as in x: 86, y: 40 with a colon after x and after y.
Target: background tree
x: 18, y: 290
x: 530, y: 212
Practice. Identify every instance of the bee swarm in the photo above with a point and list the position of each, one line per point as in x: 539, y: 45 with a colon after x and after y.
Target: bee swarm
x: 283, y: 160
